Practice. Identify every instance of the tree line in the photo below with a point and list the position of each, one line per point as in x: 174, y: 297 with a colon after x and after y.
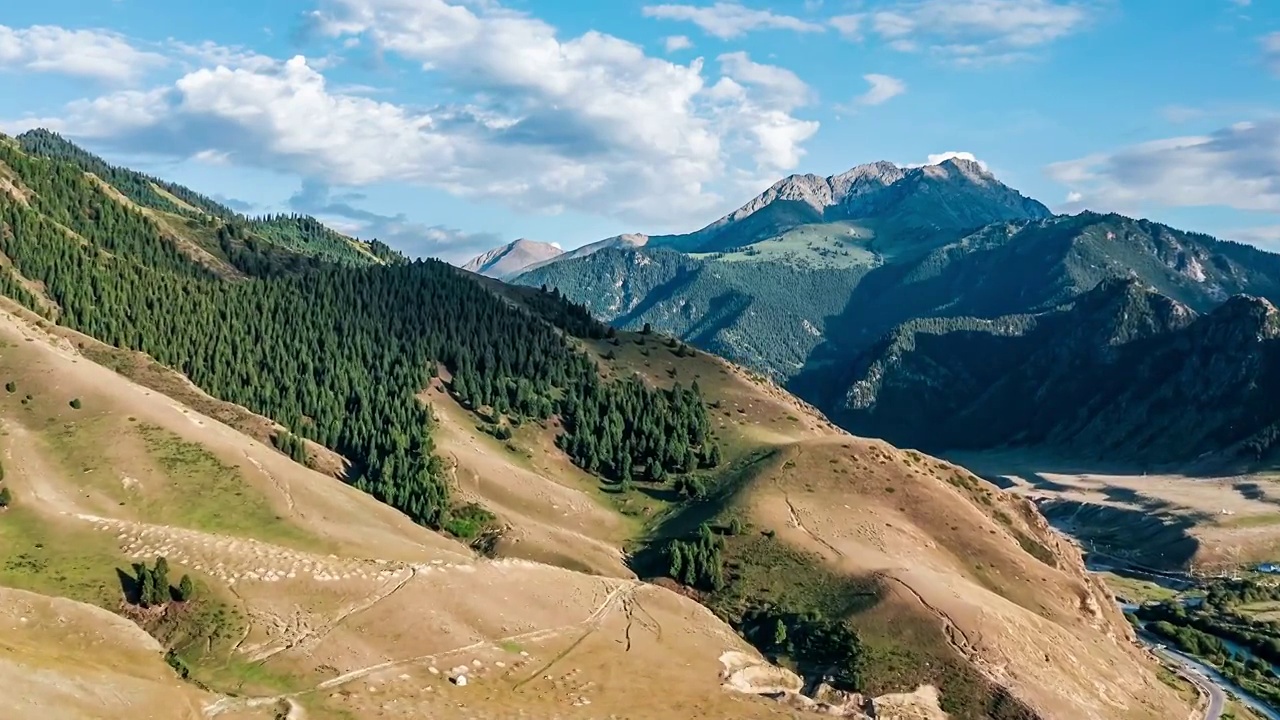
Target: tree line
x: 337, y: 354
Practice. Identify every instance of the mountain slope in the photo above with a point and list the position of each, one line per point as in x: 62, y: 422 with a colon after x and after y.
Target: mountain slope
x: 511, y: 259
x: 764, y: 284
x: 212, y: 232
x: 1123, y: 373
x: 484, y: 533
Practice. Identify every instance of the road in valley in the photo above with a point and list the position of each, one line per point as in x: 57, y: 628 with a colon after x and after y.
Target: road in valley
x: 1207, y: 679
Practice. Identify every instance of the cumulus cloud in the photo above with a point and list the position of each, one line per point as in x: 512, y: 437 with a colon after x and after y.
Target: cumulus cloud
x: 883, y: 89
x: 977, y: 32
x: 540, y: 123
x: 675, y: 43
x: 415, y: 239
x: 1236, y: 167
x: 96, y: 54
x: 727, y: 20
x: 778, y: 86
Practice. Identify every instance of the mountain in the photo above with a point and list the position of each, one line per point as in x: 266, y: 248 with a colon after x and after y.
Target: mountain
x: 762, y: 285
x: 379, y: 479
x: 624, y: 241
x: 1123, y: 373
x: 900, y: 206
x: 511, y: 259
x: 933, y: 318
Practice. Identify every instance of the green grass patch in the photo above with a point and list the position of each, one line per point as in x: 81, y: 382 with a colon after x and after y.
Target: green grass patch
x: 1250, y: 521
x: 199, y: 637
x: 214, y: 496
x: 53, y: 558
x: 468, y: 521
x: 1136, y: 590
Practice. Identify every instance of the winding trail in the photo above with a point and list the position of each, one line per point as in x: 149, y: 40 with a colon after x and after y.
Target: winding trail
x: 621, y: 593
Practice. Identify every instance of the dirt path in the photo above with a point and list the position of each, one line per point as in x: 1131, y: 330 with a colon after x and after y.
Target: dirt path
x: 308, y: 640
x: 281, y: 486
x: 619, y: 594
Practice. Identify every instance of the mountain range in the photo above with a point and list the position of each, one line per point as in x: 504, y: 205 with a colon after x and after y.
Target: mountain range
x: 252, y: 467
x: 852, y: 289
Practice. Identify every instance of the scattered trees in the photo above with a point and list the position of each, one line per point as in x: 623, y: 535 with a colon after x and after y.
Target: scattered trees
x: 698, y: 562
x: 291, y: 445
x: 153, y: 587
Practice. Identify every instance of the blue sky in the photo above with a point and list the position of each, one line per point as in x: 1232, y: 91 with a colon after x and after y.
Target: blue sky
x: 448, y: 126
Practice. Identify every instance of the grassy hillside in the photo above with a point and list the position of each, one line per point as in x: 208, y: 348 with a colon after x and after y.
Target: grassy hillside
x: 214, y: 233
x: 763, y: 314
x: 501, y: 530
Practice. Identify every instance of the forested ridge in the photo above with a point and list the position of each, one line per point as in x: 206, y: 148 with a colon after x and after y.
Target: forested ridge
x: 336, y: 354
x: 278, y: 242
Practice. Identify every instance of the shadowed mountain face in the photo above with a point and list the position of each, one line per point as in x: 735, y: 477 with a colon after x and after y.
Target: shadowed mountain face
x: 1123, y: 373
x: 938, y: 308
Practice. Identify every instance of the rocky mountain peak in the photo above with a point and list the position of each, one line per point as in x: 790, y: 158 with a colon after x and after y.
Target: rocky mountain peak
x: 510, y: 259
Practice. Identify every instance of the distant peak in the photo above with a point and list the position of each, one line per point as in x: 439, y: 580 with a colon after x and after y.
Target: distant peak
x: 958, y: 168
x: 881, y: 170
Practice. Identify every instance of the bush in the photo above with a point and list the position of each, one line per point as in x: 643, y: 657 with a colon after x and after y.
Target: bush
x: 468, y: 521
x: 75, y: 404
x: 11, y: 387
x: 5, y: 497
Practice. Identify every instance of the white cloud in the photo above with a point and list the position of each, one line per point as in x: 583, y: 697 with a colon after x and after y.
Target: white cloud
x: 778, y: 86
x: 978, y: 32
x: 727, y: 20
x: 211, y: 53
x: 212, y: 157
x: 883, y: 89
x: 539, y: 123
x: 1266, y: 237
x: 937, y: 158
x: 96, y: 54
x: 674, y: 43
x: 1236, y: 167
x: 849, y: 26
x: 1271, y: 51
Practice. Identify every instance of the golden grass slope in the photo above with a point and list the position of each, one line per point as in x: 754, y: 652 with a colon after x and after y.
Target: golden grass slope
x: 317, y: 599
x: 1004, y: 592
x: 61, y: 658
x: 960, y: 563
x: 313, y: 595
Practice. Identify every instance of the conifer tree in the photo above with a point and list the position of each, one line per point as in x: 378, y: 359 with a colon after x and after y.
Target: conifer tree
x: 186, y: 589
